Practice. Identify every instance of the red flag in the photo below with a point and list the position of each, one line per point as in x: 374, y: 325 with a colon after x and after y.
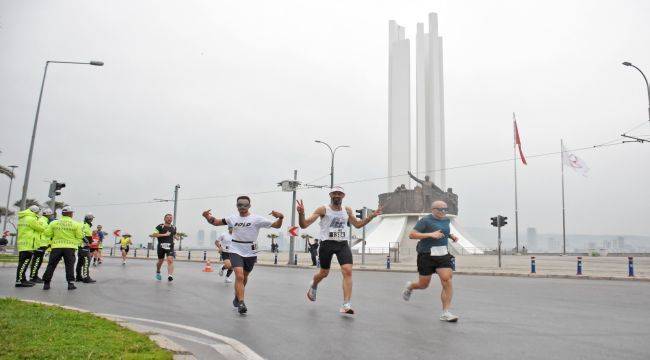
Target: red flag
x: 518, y: 140
x: 293, y: 231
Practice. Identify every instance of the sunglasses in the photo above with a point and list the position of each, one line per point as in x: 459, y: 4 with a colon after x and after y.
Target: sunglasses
x: 441, y: 209
x: 243, y: 205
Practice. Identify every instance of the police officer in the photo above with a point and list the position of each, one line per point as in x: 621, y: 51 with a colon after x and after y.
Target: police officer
x: 40, y: 246
x: 64, y: 236
x: 83, y: 254
x: 28, y: 229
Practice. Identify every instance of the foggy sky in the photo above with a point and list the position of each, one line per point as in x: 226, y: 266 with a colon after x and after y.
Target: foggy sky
x: 226, y: 98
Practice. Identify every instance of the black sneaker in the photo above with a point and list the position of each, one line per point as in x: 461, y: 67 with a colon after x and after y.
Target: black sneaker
x: 78, y: 279
x: 235, y: 302
x: 24, y: 284
x: 89, y: 281
x: 71, y: 286
x: 46, y: 285
x: 36, y: 280
x: 242, y: 308
x: 170, y: 278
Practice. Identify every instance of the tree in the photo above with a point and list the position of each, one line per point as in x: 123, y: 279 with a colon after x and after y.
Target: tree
x: 3, y: 212
x: 6, y: 171
x: 57, y: 204
x: 28, y: 203
x: 180, y: 236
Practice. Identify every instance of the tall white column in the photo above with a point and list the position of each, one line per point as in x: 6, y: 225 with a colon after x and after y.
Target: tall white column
x: 399, y: 112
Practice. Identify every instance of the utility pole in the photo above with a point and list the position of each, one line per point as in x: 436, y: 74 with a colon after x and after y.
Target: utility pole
x: 291, y: 186
x: 499, y: 221
x: 180, y: 244
x: 363, y: 243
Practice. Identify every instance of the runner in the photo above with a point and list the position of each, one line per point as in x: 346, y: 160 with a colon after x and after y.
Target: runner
x: 165, y: 232
x: 433, y: 256
x: 125, y: 244
x: 334, y: 241
x: 243, y: 249
x: 223, y: 246
x: 98, y: 254
x: 94, y: 247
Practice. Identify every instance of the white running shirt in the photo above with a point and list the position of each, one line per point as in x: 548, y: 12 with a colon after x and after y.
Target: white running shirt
x: 225, y: 239
x: 333, y: 225
x: 245, y: 232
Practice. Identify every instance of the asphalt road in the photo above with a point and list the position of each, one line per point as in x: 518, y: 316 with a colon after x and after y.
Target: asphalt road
x: 501, y: 317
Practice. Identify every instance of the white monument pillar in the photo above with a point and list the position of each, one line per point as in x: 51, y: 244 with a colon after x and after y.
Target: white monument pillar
x: 399, y: 106
x: 430, y: 104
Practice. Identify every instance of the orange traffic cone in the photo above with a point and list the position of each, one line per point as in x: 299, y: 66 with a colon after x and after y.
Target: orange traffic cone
x: 208, y: 267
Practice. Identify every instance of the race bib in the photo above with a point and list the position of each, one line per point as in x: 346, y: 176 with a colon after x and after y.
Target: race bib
x: 166, y: 246
x: 439, y: 251
x: 338, y: 235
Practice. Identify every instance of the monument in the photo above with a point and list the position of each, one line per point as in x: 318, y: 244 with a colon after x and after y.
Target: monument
x: 404, y: 206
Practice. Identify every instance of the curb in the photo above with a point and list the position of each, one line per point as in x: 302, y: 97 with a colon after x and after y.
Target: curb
x: 178, y: 351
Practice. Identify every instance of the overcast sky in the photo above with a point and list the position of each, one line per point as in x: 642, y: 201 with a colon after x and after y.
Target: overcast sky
x: 227, y: 97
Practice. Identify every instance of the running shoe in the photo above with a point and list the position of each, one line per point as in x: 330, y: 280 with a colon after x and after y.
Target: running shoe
x: 221, y: 272
x: 406, y: 294
x: 71, y: 286
x: 46, y: 285
x: 227, y: 280
x: 311, y: 293
x: 123, y: 263
x: 347, y: 309
x: 235, y: 302
x: 36, y: 280
x: 158, y: 277
x: 170, y: 278
x: 448, y: 317
x: 242, y: 308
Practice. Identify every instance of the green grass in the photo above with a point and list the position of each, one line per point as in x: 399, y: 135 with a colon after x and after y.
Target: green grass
x: 33, y: 331
x: 8, y: 258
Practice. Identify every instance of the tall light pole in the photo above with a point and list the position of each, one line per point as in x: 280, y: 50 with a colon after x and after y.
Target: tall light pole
x: 11, y: 180
x: 23, y: 200
x: 626, y: 63
x: 333, y: 152
x: 175, y: 200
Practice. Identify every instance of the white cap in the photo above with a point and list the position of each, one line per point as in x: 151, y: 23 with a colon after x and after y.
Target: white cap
x: 34, y: 208
x: 67, y: 209
x: 337, y: 189
x: 47, y: 211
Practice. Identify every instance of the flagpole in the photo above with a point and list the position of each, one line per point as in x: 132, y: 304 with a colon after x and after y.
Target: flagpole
x: 514, y: 153
x: 563, y: 209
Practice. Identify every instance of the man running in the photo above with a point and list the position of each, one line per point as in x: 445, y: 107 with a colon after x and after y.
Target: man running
x: 223, y: 246
x: 433, y: 256
x: 97, y: 255
x: 243, y: 249
x: 64, y: 235
x: 83, y: 254
x: 165, y: 232
x: 334, y: 241
x: 125, y: 244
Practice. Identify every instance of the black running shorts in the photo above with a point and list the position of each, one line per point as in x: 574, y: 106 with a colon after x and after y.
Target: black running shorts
x: 247, y: 263
x: 125, y: 249
x: 225, y: 256
x: 163, y: 253
x: 330, y: 247
x: 428, y: 264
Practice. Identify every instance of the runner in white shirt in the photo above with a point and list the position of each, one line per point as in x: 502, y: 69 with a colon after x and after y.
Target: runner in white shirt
x: 334, y: 241
x: 223, y: 246
x: 243, y: 248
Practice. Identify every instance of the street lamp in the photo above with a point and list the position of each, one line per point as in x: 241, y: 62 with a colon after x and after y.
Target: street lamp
x: 333, y: 152
x: 23, y: 200
x: 626, y: 63
x: 11, y: 180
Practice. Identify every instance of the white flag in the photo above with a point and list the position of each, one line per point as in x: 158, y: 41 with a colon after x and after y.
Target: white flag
x: 571, y: 160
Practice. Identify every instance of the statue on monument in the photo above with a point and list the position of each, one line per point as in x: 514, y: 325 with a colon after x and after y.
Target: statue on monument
x: 418, y: 200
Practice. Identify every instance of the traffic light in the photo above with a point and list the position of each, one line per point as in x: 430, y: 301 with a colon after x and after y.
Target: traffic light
x: 502, y: 220
x: 360, y: 213
x: 55, y: 188
x: 495, y: 221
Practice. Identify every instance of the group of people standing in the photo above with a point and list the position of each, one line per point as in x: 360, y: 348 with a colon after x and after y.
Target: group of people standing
x: 39, y: 232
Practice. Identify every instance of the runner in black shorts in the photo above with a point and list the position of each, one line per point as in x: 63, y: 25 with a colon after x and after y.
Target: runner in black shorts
x: 333, y: 232
x: 223, y: 243
x: 243, y: 249
x: 433, y: 231
x: 165, y: 232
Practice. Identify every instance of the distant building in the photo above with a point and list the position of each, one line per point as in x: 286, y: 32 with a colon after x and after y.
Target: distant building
x: 553, y: 244
x: 618, y: 243
x: 213, y: 235
x: 607, y: 244
x: 200, y: 237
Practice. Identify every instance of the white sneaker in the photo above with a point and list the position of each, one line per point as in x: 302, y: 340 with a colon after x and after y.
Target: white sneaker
x: 346, y: 309
x: 227, y: 280
x: 311, y: 293
x: 406, y: 294
x: 448, y: 317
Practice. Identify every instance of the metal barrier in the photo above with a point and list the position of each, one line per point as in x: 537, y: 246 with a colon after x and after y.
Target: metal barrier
x: 532, y: 265
x: 579, y: 269
x: 630, y: 266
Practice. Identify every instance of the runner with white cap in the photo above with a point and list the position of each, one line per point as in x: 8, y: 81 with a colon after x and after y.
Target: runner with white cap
x: 333, y: 233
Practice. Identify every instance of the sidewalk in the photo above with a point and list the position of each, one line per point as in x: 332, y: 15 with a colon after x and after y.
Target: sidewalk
x: 603, y: 268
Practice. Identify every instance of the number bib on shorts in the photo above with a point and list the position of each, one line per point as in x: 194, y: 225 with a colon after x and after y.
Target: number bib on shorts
x: 166, y: 246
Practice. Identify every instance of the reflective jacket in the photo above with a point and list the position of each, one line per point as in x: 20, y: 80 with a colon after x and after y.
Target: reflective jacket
x: 29, y: 229
x: 64, y: 233
x: 41, y: 241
